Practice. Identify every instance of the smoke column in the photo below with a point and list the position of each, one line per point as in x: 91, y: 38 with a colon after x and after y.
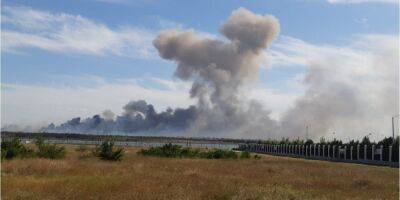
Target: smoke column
x: 335, y: 96
x: 218, y: 70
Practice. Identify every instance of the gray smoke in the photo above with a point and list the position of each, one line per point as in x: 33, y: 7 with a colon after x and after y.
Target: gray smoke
x: 349, y: 97
x: 336, y: 98
x: 138, y: 116
x: 219, y: 69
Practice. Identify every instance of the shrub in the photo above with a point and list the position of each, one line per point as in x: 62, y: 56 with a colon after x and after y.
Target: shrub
x: 51, y: 151
x: 176, y: 151
x: 257, y: 157
x: 14, y: 148
x: 219, y: 153
x: 171, y: 151
x: 244, y: 154
x: 107, y: 151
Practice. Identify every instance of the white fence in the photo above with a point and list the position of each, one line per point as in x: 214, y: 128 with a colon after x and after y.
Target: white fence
x: 354, y: 154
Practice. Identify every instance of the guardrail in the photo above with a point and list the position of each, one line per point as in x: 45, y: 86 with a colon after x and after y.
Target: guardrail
x: 368, y: 154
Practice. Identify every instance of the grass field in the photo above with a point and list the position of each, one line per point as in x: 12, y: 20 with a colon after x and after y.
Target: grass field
x: 139, y: 177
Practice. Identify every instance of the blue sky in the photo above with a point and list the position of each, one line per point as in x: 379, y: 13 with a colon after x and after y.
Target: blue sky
x: 53, y: 46
x: 318, y: 22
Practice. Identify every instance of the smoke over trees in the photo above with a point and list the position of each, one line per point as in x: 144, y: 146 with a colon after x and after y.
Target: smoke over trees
x: 220, y: 68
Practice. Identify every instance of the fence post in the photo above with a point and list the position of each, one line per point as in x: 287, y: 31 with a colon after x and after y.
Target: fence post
x: 365, y: 152
x: 293, y: 149
x: 351, y: 153
x: 345, y: 152
x: 320, y: 151
x: 298, y: 150
x: 381, y: 155
x: 390, y: 153
x: 329, y: 148
x: 373, y: 152
x: 323, y: 150
x: 287, y: 149
x: 313, y: 152
x: 358, y: 152
x: 306, y: 151
x: 333, y: 155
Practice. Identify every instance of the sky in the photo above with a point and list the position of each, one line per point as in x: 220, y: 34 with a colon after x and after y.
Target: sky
x: 66, y: 59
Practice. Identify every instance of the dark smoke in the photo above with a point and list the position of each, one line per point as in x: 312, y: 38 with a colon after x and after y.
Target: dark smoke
x: 138, y: 116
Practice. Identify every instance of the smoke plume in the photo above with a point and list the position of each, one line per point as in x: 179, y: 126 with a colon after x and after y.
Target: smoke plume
x: 218, y: 70
x: 337, y: 98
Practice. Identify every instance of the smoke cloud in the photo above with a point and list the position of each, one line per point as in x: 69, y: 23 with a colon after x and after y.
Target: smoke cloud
x: 341, y: 95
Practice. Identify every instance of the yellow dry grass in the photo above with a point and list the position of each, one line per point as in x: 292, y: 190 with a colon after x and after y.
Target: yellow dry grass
x: 137, y: 177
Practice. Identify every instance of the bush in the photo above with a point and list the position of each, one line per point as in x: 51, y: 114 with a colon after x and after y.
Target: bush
x: 169, y: 150
x: 176, y: 151
x: 219, y: 154
x: 51, y: 151
x: 14, y: 148
x: 107, y: 151
x: 244, y: 154
x: 257, y: 157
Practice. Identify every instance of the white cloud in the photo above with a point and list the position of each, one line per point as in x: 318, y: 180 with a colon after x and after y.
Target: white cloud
x: 35, y: 105
x: 361, y: 1
x: 29, y: 28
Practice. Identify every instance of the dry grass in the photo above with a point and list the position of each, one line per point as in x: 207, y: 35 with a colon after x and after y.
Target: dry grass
x: 137, y: 177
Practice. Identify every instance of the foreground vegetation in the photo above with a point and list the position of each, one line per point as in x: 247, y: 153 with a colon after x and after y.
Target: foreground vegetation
x: 176, y: 151
x: 83, y: 176
x: 15, y: 149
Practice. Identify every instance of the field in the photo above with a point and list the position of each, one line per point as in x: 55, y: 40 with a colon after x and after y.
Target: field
x: 139, y: 177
